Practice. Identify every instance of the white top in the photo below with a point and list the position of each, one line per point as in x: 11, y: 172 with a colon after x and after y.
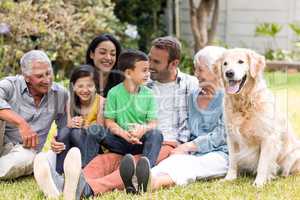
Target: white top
x: 165, y: 96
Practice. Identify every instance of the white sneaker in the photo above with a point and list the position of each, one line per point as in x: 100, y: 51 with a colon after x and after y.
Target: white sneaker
x: 72, y: 169
x: 49, y: 182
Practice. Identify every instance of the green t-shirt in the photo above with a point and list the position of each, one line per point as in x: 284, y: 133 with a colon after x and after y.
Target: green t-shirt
x: 125, y: 108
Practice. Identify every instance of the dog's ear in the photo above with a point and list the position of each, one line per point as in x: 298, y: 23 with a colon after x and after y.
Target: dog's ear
x: 257, y: 63
x: 217, y: 69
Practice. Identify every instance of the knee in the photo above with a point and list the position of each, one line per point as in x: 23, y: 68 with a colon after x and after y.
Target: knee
x: 75, y: 133
x: 63, y: 134
x: 96, y: 131
x: 154, y: 135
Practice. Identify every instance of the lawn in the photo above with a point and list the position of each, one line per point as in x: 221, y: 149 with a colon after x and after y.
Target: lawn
x: 287, y: 91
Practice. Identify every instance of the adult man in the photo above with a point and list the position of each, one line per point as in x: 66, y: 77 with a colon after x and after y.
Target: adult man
x: 102, y: 174
x: 28, y: 105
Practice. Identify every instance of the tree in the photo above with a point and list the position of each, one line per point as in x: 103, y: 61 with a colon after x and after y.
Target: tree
x: 62, y: 28
x: 203, y: 28
x: 146, y: 15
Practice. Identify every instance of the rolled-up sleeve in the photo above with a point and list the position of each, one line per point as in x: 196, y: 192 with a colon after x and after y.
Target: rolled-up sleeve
x: 6, y: 91
x: 212, y: 140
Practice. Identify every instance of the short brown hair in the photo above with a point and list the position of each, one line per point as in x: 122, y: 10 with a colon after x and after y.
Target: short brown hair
x: 171, y: 44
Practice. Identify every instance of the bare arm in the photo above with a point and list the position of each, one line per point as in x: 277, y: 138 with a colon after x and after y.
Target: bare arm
x: 117, y: 130
x: 140, y: 130
x: 100, y: 114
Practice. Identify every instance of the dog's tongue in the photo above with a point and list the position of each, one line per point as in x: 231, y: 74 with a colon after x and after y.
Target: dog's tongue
x: 232, y: 89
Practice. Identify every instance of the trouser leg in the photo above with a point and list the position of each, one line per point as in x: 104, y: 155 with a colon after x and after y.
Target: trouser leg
x: 17, y: 162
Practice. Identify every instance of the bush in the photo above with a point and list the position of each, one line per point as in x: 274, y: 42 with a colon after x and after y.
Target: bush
x: 62, y: 28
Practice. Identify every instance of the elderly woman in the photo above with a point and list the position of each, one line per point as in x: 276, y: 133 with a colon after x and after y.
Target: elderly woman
x: 205, y: 155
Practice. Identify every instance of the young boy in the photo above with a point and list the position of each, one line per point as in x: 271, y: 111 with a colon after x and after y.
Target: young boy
x: 130, y: 112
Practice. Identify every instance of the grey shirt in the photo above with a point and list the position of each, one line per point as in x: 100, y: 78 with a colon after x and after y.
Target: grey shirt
x: 15, y: 95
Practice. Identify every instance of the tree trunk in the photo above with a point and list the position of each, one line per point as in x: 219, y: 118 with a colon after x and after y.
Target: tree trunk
x: 214, y: 23
x: 200, y: 23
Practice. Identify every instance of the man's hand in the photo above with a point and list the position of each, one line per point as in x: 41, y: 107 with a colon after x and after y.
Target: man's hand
x: 29, y: 136
x: 184, y: 148
x: 57, y: 147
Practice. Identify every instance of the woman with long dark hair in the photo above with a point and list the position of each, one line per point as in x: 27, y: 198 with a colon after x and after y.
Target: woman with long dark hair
x: 103, y: 53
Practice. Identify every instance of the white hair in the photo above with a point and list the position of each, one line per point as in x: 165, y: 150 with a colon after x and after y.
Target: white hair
x: 29, y: 57
x: 210, y: 54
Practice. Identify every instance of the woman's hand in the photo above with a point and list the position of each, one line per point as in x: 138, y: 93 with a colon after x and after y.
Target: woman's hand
x: 184, y: 148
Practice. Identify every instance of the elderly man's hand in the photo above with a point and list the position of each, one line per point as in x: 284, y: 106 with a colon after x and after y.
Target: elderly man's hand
x: 29, y: 136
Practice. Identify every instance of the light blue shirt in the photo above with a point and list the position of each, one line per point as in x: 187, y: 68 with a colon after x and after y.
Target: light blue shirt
x: 207, y: 125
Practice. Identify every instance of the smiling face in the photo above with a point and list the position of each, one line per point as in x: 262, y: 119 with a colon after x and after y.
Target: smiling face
x: 85, y: 89
x: 235, y: 71
x: 140, y: 74
x: 161, y: 69
x: 104, y: 56
x: 40, y: 79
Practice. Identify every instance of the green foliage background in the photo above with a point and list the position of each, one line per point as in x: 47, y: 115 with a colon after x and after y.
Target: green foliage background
x: 63, y: 28
x: 148, y: 16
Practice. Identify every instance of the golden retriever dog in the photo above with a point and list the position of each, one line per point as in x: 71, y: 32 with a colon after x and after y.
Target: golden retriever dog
x: 259, y: 139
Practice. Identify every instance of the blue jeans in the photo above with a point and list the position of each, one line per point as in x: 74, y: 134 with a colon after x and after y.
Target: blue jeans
x: 150, y: 147
x: 87, y: 140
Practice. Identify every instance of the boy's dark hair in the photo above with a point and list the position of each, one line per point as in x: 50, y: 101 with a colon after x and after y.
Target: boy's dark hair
x: 129, y: 57
x: 171, y: 44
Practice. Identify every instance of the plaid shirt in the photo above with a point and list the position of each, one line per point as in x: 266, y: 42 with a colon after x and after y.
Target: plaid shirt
x: 185, y: 84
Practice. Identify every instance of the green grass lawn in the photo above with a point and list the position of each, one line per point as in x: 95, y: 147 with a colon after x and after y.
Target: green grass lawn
x: 287, y: 91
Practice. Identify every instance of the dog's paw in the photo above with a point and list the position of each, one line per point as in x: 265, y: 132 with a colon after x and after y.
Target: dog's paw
x: 259, y: 182
x: 231, y: 175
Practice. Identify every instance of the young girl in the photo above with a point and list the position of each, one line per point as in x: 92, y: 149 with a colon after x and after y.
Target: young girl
x: 85, y: 113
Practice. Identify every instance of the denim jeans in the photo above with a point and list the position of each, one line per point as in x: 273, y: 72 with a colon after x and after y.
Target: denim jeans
x: 87, y: 140
x: 150, y: 147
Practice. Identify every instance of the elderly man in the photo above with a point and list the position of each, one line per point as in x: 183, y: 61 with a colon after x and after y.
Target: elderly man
x: 28, y: 105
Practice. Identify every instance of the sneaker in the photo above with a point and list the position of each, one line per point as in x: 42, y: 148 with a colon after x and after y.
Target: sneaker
x: 72, y: 169
x: 126, y: 172
x: 48, y: 180
x: 143, y: 174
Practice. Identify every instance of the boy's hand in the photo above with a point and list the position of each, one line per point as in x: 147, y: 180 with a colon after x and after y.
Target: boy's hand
x: 138, y: 131
x: 130, y: 138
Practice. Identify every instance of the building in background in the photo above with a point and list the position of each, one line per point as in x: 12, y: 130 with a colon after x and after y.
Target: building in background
x: 238, y: 20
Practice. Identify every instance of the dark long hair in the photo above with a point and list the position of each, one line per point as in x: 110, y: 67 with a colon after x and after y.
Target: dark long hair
x: 80, y: 72
x: 114, y: 77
